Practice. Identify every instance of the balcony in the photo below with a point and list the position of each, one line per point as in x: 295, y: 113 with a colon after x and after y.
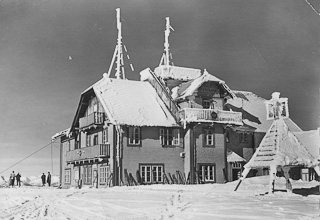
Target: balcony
x: 89, y: 153
x: 210, y: 115
x: 94, y: 119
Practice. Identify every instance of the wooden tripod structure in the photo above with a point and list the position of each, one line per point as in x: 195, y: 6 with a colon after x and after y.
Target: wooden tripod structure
x: 280, y: 148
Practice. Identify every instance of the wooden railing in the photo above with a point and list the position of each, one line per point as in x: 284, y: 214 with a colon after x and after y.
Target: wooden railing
x: 96, y: 118
x: 164, y: 95
x: 96, y: 151
x: 202, y: 115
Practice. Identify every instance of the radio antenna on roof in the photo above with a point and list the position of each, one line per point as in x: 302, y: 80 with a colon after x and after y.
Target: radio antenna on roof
x: 118, y: 52
x: 165, y: 59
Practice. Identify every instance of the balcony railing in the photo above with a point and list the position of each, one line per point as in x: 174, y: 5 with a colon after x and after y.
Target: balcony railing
x: 210, y: 115
x: 87, y: 153
x: 96, y: 118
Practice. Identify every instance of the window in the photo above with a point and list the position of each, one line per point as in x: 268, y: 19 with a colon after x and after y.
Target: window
x: 170, y: 137
x: 134, y: 136
x: 206, y: 104
x: 105, y: 136
x: 208, y: 134
x: 104, y: 174
x: 243, y: 138
x: 236, y: 165
x: 88, y: 140
x: 69, y: 145
x: 305, y: 174
x: 207, y: 172
x: 95, y: 139
x: 151, y: 173
x: 77, y: 141
x: 87, y: 174
x: 67, y: 176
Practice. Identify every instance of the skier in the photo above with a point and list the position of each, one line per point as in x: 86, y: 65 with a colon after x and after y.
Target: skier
x: 18, y: 179
x: 43, y: 178
x: 49, y: 179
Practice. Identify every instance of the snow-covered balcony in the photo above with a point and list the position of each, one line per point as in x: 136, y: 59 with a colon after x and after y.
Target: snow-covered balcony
x: 95, y: 152
x: 94, y: 119
x: 210, y: 115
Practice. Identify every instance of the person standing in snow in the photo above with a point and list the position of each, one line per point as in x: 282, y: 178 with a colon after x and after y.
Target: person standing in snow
x: 49, y: 179
x: 18, y: 179
x: 43, y: 178
x: 12, y: 179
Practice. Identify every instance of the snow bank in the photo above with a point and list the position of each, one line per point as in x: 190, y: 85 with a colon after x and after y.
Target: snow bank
x: 203, y: 201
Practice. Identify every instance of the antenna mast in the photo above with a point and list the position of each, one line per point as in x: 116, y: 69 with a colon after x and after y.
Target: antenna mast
x: 166, y: 55
x: 118, y: 52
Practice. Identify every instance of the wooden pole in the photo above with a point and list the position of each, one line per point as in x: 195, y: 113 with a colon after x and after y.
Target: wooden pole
x: 243, y: 176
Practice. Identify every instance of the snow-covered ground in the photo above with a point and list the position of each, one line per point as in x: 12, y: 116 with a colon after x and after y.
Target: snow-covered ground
x: 210, y: 201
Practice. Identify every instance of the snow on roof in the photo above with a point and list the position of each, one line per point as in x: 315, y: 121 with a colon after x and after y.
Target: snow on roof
x: 175, y: 72
x: 191, y: 87
x: 254, y: 111
x: 134, y: 103
x: 61, y: 133
x: 233, y: 157
x: 311, y: 140
x: 280, y: 147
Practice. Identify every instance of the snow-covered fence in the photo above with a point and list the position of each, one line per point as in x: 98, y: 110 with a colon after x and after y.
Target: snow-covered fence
x: 198, y: 114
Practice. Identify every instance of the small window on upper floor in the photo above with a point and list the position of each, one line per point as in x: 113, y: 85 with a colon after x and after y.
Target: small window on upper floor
x: 88, y: 140
x: 134, y: 136
x: 95, y: 139
x: 105, y: 136
x: 243, y: 138
x: 169, y: 137
x: 208, y: 137
x: 206, y: 104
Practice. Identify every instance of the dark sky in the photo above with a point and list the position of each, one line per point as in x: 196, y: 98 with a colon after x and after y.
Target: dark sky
x: 253, y: 45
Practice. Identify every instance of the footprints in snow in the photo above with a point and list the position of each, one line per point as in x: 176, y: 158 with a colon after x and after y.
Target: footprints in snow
x: 175, y: 206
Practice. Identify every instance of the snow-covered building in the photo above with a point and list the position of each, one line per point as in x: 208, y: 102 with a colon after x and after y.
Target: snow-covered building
x: 141, y: 130
x: 176, y: 124
x: 125, y: 127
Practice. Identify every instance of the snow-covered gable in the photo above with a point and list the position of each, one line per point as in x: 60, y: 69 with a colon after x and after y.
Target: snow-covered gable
x: 254, y: 111
x: 132, y: 103
x: 61, y: 133
x: 191, y: 87
x: 280, y: 147
x: 175, y: 72
x: 232, y: 157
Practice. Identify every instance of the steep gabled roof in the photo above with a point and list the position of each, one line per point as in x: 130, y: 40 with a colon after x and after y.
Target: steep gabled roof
x: 254, y: 111
x: 189, y: 88
x: 280, y: 147
x: 133, y: 103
